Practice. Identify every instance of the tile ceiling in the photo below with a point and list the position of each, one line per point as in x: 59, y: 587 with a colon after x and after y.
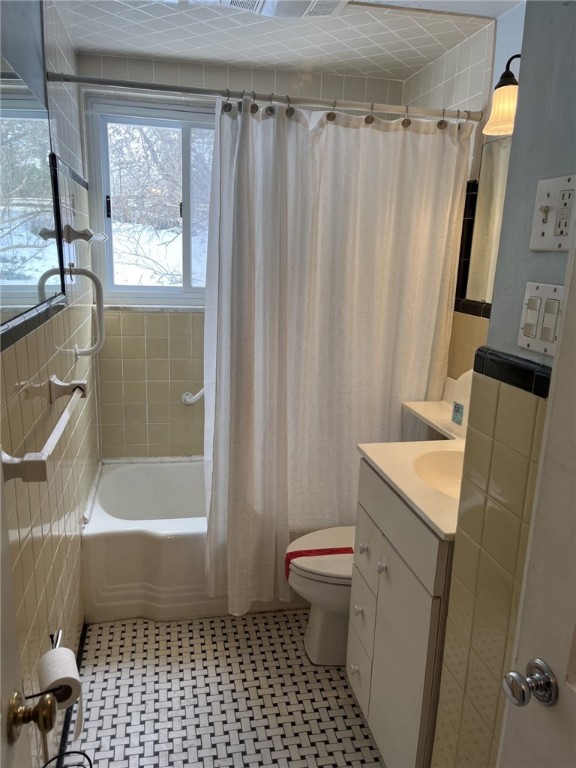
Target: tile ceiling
x: 367, y: 39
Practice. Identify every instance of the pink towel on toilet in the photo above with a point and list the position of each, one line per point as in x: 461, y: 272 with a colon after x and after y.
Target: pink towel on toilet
x: 313, y: 552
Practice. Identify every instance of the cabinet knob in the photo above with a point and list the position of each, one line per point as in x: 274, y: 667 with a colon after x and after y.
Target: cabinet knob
x: 353, y: 669
x: 362, y: 549
x: 358, y: 610
x: 381, y: 566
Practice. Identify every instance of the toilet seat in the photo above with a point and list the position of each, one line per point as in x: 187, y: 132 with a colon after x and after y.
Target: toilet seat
x: 329, y: 568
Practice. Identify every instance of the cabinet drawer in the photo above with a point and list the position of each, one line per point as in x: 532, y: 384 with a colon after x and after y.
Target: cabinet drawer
x: 424, y: 552
x: 358, y: 669
x: 362, y: 611
x: 367, y: 549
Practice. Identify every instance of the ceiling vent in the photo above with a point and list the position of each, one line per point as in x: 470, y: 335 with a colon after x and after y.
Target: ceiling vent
x: 289, y: 9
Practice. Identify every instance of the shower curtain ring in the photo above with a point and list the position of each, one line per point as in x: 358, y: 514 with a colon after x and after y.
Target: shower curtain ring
x: 227, y: 106
x: 442, y: 122
x: 270, y: 111
x: 406, y: 123
x: 253, y: 106
x: 332, y: 115
x: 468, y: 113
x: 369, y: 119
x: 289, y: 108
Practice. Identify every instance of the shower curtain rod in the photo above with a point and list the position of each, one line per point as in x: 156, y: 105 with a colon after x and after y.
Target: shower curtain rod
x: 357, y: 106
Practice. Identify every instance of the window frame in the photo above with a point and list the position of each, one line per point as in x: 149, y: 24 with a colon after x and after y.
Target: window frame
x: 99, y: 113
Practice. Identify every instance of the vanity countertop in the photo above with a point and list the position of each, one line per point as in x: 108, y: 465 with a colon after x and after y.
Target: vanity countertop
x: 436, y: 413
x: 394, y: 462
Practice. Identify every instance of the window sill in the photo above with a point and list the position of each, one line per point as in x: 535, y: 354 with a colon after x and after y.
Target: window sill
x: 153, y: 308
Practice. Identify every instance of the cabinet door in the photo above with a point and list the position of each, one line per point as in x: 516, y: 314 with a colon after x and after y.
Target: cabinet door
x: 401, y: 686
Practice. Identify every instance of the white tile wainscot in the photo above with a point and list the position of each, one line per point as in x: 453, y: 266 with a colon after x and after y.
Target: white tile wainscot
x: 399, y: 600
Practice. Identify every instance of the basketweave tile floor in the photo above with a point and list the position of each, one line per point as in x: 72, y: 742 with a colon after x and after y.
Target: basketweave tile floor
x: 234, y: 692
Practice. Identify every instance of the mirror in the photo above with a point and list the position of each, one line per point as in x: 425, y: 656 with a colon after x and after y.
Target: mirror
x: 29, y: 244
x: 488, y: 219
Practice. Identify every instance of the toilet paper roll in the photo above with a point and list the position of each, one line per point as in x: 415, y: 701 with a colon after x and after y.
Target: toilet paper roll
x: 58, y: 673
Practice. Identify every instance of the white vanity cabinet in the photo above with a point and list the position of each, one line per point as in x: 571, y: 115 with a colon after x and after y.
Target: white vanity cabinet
x: 397, y: 618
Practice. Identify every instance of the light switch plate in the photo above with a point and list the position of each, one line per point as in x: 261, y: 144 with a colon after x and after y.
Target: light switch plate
x: 541, y: 317
x: 555, y: 201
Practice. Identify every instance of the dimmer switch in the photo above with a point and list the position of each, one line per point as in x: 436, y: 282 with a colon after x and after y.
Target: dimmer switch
x: 550, y: 319
x: 541, y: 317
x: 532, y: 315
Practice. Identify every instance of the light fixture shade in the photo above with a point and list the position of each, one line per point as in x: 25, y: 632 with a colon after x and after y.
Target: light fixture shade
x: 501, y: 122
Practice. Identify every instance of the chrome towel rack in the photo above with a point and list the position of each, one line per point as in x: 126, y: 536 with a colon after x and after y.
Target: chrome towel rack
x: 33, y: 467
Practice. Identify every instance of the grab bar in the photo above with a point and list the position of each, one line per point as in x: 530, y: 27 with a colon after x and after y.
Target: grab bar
x: 33, y: 467
x: 99, y: 296
x: 189, y: 399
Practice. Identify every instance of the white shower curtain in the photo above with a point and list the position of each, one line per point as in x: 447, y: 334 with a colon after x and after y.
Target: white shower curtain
x: 332, y: 262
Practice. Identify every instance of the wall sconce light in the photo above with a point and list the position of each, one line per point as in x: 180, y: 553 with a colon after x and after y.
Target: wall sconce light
x: 501, y: 121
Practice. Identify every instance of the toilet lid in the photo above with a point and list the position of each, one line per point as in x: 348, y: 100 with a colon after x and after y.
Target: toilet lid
x: 333, y: 568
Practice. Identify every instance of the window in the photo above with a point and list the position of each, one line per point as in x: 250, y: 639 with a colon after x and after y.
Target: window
x: 27, y: 230
x: 152, y: 196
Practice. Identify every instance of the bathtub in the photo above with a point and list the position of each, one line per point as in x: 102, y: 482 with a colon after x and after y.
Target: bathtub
x: 143, y: 544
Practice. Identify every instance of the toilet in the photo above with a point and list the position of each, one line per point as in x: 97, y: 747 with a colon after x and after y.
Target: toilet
x: 324, y: 580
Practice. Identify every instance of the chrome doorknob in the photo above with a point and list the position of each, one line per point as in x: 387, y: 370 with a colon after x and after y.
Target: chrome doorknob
x: 540, y: 681
x: 381, y: 566
x: 358, y: 610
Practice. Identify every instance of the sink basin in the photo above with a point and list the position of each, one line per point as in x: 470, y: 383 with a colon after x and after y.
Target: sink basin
x: 442, y: 470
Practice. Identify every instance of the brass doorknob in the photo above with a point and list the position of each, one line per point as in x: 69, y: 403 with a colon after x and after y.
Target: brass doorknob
x: 19, y: 713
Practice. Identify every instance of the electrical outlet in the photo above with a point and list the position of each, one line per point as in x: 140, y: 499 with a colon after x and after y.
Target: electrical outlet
x: 564, y: 212
x: 553, y: 214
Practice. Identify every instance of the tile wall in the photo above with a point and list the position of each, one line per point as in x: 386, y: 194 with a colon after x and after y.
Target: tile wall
x: 149, y: 359
x: 500, y: 467
x: 44, y: 519
x: 63, y: 97
x: 460, y: 79
x: 468, y: 333
x: 280, y: 82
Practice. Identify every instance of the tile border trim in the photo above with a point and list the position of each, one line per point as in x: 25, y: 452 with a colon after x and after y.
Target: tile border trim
x: 473, y: 307
x: 511, y: 369
x: 20, y: 326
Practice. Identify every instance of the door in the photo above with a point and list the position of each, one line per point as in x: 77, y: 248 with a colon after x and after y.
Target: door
x: 537, y: 736
x: 18, y: 755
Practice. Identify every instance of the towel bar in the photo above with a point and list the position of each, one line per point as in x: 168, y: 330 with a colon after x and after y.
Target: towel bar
x: 33, y: 467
